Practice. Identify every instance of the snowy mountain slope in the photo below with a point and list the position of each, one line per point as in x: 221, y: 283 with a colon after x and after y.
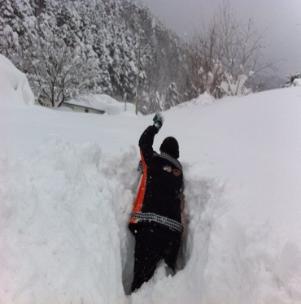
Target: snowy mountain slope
x: 65, y: 198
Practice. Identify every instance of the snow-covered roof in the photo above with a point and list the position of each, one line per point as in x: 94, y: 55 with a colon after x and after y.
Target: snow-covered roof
x: 82, y: 106
x: 102, y: 102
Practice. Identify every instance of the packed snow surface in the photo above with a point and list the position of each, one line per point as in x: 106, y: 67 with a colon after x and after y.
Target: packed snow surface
x: 66, y: 193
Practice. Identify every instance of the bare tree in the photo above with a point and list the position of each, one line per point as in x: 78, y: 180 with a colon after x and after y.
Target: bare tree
x: 227, y: 50
x: 291, y: 79
x: 56, y: 70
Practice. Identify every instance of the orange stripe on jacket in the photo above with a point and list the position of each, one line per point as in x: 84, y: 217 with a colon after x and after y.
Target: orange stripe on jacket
x: 141, y: 192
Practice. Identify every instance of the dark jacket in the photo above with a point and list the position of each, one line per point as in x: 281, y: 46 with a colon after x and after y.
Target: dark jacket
x: 158, y: 200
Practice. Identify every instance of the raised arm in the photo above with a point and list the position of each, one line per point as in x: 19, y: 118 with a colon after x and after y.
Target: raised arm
x: 147, y: 138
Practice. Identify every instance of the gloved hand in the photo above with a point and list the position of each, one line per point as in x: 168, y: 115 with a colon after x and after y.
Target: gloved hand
x: 158, y: 121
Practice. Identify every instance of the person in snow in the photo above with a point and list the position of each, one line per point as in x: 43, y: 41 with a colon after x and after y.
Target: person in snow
x: 156, y: 216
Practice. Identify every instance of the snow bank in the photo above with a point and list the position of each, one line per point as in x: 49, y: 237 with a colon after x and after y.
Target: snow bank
x: 59, y: 213
x: 202, y: 100
x: 297, y: 83
x: 66, y: 199
x: 14, y: 85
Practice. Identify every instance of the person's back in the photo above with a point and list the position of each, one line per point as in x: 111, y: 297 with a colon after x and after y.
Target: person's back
x: 156, y: 217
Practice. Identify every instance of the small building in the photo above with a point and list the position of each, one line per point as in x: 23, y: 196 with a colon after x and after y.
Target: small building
x: 82, y: 108
x: 94, y: 103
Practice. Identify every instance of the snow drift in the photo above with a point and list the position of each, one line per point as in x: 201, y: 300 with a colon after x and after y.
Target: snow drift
x: 66, y: 194
x: 14, y: 85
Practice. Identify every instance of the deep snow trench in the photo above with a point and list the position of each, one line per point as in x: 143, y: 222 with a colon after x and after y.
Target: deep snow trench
x: 198, y: 217
x: 69, y: 205
x: 66, y: 211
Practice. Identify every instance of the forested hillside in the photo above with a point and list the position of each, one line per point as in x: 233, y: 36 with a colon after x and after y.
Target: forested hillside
x: 73, y: 47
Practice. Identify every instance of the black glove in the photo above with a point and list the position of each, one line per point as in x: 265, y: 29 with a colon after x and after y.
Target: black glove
x: 158, y: 121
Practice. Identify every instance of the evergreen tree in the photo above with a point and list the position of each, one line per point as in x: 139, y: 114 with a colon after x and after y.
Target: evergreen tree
x: 172, y: 96
x: 17, y: 22
x: 69, y: 47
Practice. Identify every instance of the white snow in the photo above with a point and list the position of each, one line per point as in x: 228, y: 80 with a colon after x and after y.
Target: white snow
x: 65, y: 199
x: 14, y: 85
x: 297, y: 82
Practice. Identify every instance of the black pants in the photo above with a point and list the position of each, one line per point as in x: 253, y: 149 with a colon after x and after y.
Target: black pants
x: 152, y: 245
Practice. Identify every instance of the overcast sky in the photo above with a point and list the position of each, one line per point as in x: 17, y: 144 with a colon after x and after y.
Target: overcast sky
x: 278, y: 18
